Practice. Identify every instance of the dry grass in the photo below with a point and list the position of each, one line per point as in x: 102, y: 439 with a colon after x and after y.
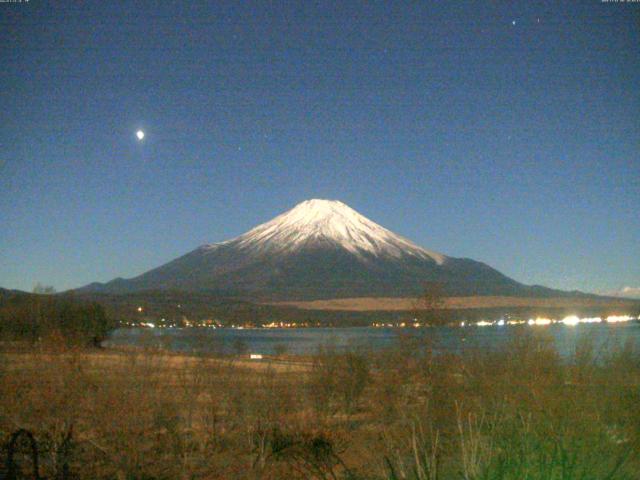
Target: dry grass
x: 405, y: 413
x: 405, y: 304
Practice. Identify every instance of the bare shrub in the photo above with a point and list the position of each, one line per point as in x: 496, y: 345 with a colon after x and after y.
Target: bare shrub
x: 338, y: 380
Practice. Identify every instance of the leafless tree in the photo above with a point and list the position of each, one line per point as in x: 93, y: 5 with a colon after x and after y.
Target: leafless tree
x: 429, y: 306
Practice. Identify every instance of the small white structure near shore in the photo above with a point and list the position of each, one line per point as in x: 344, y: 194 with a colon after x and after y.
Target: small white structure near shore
x: 255, y: 356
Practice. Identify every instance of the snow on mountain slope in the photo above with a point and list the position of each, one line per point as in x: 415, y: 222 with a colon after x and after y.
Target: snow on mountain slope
x: 314, y: 221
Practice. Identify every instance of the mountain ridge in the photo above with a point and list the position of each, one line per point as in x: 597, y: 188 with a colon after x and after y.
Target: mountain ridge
x: 320, y: 249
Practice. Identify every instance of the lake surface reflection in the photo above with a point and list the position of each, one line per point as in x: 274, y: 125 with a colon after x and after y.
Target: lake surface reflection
x: 304, y: 341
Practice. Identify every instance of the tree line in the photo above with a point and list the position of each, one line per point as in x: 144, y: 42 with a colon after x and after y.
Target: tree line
x: 39, y: 317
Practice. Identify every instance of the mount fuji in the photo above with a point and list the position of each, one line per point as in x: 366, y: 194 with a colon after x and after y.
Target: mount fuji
x: 320, y: 249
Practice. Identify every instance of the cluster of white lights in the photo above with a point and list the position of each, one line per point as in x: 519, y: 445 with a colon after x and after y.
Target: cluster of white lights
x: 619, y: 318
x: 540, y: 321
x: 569, y: 320
x: 483, y: 323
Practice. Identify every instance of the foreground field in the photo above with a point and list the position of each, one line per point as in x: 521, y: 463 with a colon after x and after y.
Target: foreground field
x: 518, y: 413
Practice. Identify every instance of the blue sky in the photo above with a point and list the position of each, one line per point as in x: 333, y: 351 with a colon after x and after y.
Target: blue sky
x: 504, y: 132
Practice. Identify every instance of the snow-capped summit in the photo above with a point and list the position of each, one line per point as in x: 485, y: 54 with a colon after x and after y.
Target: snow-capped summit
x: 319, y: 249
x: 328, y: 222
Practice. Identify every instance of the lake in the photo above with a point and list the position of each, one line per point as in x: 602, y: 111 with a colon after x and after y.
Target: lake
x: 302, y: 341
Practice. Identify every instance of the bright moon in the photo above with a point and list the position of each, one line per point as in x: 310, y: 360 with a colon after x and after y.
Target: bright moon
x: 140, y: 134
